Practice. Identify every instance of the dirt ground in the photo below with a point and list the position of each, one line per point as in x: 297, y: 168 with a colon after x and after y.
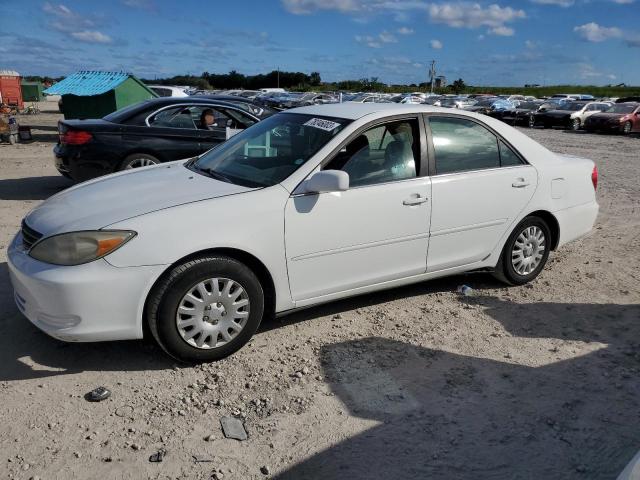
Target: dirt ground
x: 534, y: 382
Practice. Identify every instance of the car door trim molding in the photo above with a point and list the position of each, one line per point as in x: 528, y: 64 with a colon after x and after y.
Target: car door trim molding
x: 361, y: 246
x: 473, y: 226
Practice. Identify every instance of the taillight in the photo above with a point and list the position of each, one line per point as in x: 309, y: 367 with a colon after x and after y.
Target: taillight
x: 75, y: 137
x: 594, y: 177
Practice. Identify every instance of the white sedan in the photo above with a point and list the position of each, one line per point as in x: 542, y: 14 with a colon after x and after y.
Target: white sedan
x: 307, y: 206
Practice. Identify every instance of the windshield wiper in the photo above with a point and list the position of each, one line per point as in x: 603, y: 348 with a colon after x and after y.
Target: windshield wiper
x: 218, y: 176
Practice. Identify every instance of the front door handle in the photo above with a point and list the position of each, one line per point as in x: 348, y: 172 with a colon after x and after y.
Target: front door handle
x: 520, y: 183
x: 415, y: 199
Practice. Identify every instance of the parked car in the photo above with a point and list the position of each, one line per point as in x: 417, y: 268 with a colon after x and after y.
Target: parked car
x: 457, y: 102
x: 147, y: 133
x: 279, y: 217
x: 619, y: 118
x: 522, y: 114
x: 260, y: 111
x: 489, y: 105
x: 168, y: 91
x: 369, y: 98
x: 569, y: 115
x: 304, y: 100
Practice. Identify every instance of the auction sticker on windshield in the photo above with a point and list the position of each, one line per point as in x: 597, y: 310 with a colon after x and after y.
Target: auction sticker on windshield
x: 322, y: 124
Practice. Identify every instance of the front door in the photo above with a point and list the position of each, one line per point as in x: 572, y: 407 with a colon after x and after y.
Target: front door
x: 480, y: 186
x: 374, y: 232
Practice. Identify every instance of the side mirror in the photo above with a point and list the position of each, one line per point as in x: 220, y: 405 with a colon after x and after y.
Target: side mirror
x: 327, y: 181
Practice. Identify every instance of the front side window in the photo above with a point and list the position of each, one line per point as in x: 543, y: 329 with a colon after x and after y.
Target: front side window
x: 382, y: 154
x: 462, y: 145
x: 269, y: 151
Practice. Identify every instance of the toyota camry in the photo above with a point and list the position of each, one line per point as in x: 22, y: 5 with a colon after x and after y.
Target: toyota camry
x: 307, y: 206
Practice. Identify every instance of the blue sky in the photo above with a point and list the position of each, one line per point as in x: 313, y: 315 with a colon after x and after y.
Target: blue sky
x: 486, y: 43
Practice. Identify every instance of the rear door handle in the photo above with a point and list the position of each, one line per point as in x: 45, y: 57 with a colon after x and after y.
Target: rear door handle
x: 520, y: 183
x: 415, y: 200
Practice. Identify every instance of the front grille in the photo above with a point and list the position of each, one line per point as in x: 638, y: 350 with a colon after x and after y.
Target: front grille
x: 29, y: 236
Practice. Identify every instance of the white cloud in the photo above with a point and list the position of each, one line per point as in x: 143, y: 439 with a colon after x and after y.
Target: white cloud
x: 91, y: 36
x: 559, y: 3
x: 405, y: 31
x: 436, y: 44
x: 623, y: 2
x: 386, y: 37
x: 378, y: 40
x: 502, y: 31
x: 474, y: 15
x: 368, y: 40
x: 304, y: 7
x: 593, y: 32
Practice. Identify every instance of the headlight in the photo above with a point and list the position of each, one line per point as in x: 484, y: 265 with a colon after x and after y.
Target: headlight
x: 76, y: 248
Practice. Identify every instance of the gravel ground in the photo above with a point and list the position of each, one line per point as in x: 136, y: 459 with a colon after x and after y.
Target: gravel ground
x: 534, y: 382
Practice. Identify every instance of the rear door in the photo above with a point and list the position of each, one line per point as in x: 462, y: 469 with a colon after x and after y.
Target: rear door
x: 480, y: 186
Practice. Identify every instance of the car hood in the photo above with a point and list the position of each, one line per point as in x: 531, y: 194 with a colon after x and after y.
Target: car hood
x: 106, y: 200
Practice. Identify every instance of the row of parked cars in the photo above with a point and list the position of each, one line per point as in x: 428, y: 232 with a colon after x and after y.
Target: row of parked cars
x: 178, y: 126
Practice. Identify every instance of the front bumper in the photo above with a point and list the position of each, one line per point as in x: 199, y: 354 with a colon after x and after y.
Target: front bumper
x: 84, y: 303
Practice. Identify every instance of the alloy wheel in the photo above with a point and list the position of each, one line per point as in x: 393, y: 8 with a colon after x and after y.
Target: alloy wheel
x: 140, y: 162
x: 212, y: 313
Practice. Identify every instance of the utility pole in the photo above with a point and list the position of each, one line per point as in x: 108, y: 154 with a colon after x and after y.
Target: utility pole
x: 432, y: 73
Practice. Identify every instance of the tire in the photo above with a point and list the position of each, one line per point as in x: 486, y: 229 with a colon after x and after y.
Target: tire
x: 508, y: 269
x: 626, y: 128
x: 531, y: 121
x: 136, y: 160
x: 574, y: 124
x: 170, y: 295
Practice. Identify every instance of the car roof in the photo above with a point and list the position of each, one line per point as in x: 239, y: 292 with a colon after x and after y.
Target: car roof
x: 354, y: 110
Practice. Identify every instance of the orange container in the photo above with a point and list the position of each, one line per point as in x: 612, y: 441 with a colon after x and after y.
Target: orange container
x: 10, y: 90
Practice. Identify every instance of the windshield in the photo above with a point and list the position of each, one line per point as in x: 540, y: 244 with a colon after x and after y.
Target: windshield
x: 485, y: 103
x: 621, y: 109
x: 269, y: 151
x: 528, y: 105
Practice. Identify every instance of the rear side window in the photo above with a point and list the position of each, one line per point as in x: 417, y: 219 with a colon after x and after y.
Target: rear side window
x: 461, y: 145
x: 174, y: 117
x: 508, y: 157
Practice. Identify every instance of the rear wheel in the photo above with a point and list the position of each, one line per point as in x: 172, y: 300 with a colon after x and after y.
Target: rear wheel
x: 206, y: 309
x: 531, y: 121
x: 626, y: 128
x: 574, y: 124
x: 525, y: 253
x: 137, y: 160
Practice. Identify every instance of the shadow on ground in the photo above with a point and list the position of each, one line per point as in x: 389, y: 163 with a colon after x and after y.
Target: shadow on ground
x: 32, y: 188
x: 26, y: 352
x: 449, y: 416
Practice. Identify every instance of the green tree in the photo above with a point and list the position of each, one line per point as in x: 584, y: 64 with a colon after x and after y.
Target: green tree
x: 314, y: 79
x: 458, y: 86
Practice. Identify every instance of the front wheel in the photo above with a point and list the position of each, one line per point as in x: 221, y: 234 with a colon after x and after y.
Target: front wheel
x: 525, y: 253
x: 205, y: 309
x: 531, y: 121
x: 626, y: 128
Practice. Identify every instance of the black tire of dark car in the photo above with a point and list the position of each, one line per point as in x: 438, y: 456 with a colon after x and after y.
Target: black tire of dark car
x: 136, y: 160
x: 574, y: 124
x: 504, y: 270
x: 163, y: 302
x: 626, y: 128
x: 531, y: 121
